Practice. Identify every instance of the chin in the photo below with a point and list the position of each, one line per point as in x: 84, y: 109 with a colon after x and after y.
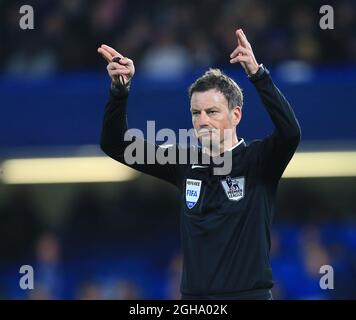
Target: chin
x: 209, y: 142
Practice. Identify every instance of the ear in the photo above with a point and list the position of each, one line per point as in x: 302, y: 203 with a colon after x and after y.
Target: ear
x: 236, y: 115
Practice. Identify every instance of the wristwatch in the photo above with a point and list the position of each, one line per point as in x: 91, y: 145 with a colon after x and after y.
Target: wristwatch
x: 259, y: 74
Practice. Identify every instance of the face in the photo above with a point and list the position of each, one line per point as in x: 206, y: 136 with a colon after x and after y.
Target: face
x: 211, y: 117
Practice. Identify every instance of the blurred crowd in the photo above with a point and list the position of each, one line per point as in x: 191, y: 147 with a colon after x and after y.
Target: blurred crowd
x: 171, y: 36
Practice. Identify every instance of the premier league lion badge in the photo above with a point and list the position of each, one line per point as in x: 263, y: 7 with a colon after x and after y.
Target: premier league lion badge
x: 234, y: 187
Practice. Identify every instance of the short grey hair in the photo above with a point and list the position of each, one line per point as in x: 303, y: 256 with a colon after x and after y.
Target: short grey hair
x: 216, y: 79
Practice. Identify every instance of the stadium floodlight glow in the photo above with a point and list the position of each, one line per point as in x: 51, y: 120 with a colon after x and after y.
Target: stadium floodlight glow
x: 322, y: 164
x: 65, y: 170
x: 104, y: 169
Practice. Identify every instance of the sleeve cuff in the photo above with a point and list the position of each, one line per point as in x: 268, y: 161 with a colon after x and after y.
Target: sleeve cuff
x: 118, y: 90
x: 260, y: 74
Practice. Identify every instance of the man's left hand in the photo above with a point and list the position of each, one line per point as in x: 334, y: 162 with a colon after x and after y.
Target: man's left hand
x: 244, y: 54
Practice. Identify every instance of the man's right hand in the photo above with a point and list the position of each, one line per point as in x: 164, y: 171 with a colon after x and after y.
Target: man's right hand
x: 120, y: 68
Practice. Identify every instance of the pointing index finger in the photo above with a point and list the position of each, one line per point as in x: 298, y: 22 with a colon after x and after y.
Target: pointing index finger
x: 112, y: 51
x: 243, y: 38
x: 105, y: 54
x: 238, y: 37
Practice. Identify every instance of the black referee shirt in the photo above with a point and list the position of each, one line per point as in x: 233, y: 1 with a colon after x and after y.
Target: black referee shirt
x: 225, y: 219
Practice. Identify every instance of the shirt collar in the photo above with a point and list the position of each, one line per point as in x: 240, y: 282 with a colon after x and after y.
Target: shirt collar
x: 241, y: 141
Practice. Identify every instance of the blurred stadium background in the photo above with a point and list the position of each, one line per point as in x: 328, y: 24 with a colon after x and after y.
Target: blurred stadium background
x: 93, y: 229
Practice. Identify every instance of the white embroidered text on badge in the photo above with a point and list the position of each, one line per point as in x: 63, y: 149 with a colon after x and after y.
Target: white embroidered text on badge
x: 234, y: 187
x: 192, y: 192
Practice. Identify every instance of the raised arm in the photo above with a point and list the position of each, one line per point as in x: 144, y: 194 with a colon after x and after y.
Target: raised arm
x: 276, y: 150
x: 121, y: 71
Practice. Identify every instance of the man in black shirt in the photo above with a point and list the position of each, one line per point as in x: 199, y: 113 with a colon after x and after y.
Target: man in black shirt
x: 226, y: 216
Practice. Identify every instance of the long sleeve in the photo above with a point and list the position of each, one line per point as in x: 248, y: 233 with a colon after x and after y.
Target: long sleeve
x: 115, y: 123
x: 114, y: 145
x: 276, y: 150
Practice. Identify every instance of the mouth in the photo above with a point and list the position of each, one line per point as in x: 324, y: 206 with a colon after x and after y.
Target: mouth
x: 204, y: 132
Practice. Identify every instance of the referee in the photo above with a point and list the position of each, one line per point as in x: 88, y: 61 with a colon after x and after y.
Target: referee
x: 225, y: 219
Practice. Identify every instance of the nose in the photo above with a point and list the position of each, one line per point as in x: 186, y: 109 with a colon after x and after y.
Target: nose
x: 203, y: 120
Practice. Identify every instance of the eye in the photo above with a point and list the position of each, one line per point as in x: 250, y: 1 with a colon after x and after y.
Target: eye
x: 213, y: 112
x: 194, y: 113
